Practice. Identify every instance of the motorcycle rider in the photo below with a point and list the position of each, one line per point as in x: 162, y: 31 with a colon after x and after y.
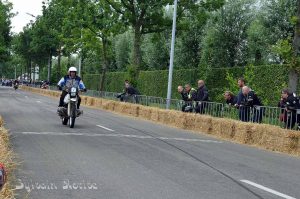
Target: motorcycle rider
x: 16, y: 83
x: 66, y: 83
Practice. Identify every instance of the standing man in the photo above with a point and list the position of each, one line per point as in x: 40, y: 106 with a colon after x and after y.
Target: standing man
x: 242, y: 110
x: 187, y: 94
x: 290, y: 111
x: 250, y: 102
x: 201, y: 97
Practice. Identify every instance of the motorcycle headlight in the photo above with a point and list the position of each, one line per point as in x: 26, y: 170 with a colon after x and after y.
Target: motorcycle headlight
x: 73, y: 92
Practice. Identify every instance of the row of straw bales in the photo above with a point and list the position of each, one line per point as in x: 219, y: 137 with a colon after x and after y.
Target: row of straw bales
x: 264, y: 136
x: 6, y: 158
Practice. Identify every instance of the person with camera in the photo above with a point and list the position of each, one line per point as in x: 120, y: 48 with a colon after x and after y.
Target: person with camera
x: 187, y: 94
x: 129, y: 93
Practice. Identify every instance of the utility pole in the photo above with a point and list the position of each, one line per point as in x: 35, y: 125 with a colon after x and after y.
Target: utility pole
x: 169, y: 94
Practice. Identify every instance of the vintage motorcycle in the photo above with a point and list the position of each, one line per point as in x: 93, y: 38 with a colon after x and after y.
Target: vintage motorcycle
x: 69, y: 112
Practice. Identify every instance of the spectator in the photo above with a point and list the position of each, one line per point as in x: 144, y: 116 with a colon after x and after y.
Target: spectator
x: 187, y: 94
x: 281, y: 105
x: 231, y: 100
x: 201, y: 97
x: 241, y: 84
x: 129, y: 93
x: 250, y: 102
x: 290, y: 104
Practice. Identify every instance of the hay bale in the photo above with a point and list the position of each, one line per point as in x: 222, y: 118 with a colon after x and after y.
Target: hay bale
x: 272, y: 138
x: 134, y: 111
x: 145, y: 112
x: 203, y: 123
x: 293, y: 144
x: 163, y: 116
x: 1, y: 121
x: 90, y: 101
x: 109, y: 105
x: 7, y: 158
x: 154, y: 114
x: 182, y: 120
x: 243, y: 132
x: 258, y: 131
x: 189, y: 121
x: 223, y: 128
x: 98, y: 102
x: 84, y: 100
x: 120, y: 108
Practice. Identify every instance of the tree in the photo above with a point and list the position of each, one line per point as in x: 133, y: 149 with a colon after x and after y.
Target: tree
x: 259, y: 51
x: 282, y: 22
x: 294, y: 73
x: 225, y: 40
x: 5, y: 37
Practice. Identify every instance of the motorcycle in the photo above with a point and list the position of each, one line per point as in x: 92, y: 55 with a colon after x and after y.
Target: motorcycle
x: 16, y: 86
x: 44, y: 86
x: 69, y: 112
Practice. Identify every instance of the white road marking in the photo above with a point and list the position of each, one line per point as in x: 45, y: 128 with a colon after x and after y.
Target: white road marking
x: 38, y: 101
x: 267, y: 189
x: 108, y: 129
x: 118, y: 135
x: 26, y: 96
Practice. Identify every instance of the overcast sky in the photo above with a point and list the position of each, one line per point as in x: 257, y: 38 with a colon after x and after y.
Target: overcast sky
x: 33, y: 7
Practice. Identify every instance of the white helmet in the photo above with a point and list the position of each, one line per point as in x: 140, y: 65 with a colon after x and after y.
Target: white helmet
x: 72, y: 69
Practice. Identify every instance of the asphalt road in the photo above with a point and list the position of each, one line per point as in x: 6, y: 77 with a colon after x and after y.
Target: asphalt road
x: 111, y: 156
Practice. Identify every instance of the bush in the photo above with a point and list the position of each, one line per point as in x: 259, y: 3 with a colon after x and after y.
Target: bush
x: 267, y: 81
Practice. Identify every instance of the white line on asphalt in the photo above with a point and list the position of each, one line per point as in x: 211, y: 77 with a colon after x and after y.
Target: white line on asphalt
x: 26, y: 96
x: 267, y: 189
x: 38, y: 101
x: 118, y: 135
x: 108, y: 129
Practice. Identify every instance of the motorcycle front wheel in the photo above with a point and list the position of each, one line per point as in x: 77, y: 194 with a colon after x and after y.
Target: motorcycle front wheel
x: 72, y: 122
x: 73, y: 116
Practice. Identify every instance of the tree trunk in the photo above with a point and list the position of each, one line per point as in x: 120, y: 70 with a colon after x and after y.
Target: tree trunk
x: 28, y: 69
x: 258, y: 57
x: 58, y: 74
x: 294, y: 75
x: 69, y: 61
x: 293, y: 80
x: 105, y: 63
x: 49, y: 67
x: 137, y: 53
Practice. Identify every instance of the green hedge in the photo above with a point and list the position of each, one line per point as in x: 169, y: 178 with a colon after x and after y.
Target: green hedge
x: 266, y: 80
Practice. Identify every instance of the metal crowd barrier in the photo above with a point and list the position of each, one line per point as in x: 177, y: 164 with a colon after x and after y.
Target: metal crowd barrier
x: 260, y: 114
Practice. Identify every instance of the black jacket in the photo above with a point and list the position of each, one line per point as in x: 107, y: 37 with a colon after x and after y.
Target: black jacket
x: 232, y: 101
x: 250, y: 100
x: 291, y: 103
x: 132, y: 91
x: 201, y: 95
x: 184, y: 96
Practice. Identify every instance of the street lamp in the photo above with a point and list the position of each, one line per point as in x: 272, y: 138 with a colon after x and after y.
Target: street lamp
x: 80, y: 53
x: 31, y: 15
x: 32, y: 76
x: 172, y: 56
